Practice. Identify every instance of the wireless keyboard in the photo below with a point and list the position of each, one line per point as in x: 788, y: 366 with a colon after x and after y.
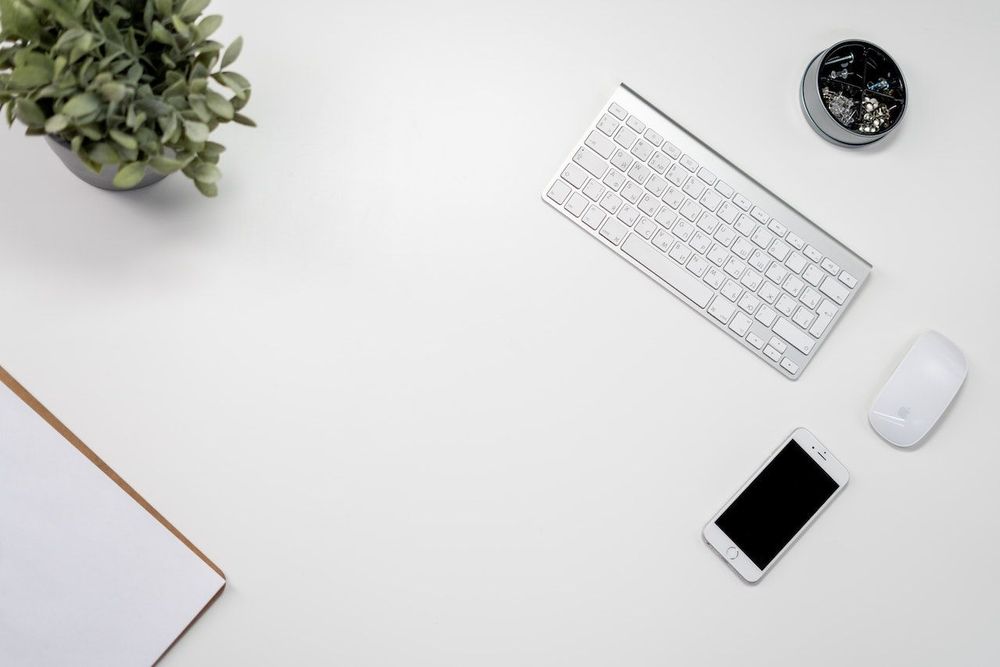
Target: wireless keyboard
x: 692, y: 221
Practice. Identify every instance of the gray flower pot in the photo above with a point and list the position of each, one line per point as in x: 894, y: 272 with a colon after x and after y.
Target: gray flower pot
x: 103, y: 180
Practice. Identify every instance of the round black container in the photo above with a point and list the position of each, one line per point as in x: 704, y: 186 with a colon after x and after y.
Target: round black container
x: 853, y: 93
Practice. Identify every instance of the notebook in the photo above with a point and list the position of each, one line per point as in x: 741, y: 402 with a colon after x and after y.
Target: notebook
x: 90, y: 574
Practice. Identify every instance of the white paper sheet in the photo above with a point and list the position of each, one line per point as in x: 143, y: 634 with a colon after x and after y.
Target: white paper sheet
x: 87, y: 576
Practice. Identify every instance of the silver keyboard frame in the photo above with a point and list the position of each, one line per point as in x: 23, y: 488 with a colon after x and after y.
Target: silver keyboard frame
x: 776, y: 207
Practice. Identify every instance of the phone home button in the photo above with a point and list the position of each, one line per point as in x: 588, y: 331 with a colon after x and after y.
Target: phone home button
x: 732, y: 553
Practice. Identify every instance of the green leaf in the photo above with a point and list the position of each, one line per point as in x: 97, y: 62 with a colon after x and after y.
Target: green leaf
x: 19, y: 21
x: 125, y: 140
x: 192, y: 8
x: 232, y: 53
x: 207, y: 189
x: 234, y: 82
x: 207, y: 26
x: 30, y: 113
x: 219, y: 105
x: 195, y: 131
x: 206, y: 173
x: 30, y: 76
x: 114, y: 91
x: 130, y: 175
x: 164, y: 7
x: 165, y: 165
x: 104, y: 153
x: 81, y: 105
x: 162, y: 35
x: 56, y: 124
x: 243, y: 120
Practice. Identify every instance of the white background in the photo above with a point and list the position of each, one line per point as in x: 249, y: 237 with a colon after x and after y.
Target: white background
x: 419, y: 418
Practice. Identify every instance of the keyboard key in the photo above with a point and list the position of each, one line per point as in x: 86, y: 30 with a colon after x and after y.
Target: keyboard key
x: 645, y: 228
x: 653, y: 138
x: 725, y: 235
x: 671, y: 150
x: 611, y: 202
x: 743, y: 248
x: 591, y: 161
x: 594, y: 190
x: 813, y: 275
x: 789, y: 366
x: 642, y: 149
x: 795, y: 241
x: 614, y: 179
x: 779, y: 250
x: 745, y: 226
x: 830, y: 266
x: 656, y: 185
x: 760, y: 260
x: 785, y: 305
x: 663, y: 240
x: 700, y: 242
x: 725, y: 189
x: 717, y: 255
x: 755, y: 340
x: 759, y: 215
x: 628, y: 215
x: 820, y: 325
x: 614, y: 231
x: 749, y: 303
x: 676, y: 174
x: 679, y: 253
x: 649, y: 204
x: 708, y: 222
x: 707, y: 176
x: 574, y: 175
x: 796, y: 262
x: 636, y: 124
x: 777, y: 273
x: 607, y: 124
x: 715, y: 278
x: 683, y: 230
x: 766, y: 316
x: 621, y: 159
x: 693, y: 188
x: 778, y: 344
x: 798, y: 339
x: 751, y: 280
x: 731, y: 291
x: 835, y: 290
x: 811, y: 298
x: 762, y: 237
x: 777, y: 228
x: 742, y: 202
x: 722, y: 309
x: 711, y: 200
x: 848, y: 280
x: 813, y: 254
x: 827, y: 308
x: 577, y: 204
x: 665, y: 217
x: 690, y: 210
x: 558, y: 192
x: 735, y: 267
x: 618, y: 112
x: 769, y: 292
x: 673, y: 197
x: 667, y: 271
x: 632, y: 192
x: 625, y: 137
x: 659, y: 162
x: 639, y: 172
x: 729, y: 212
x: 594, y: 217
x: 740, y: 324
x: 689, y: 163
x: 697, y: 265
x: 803, y: 317
x: 793, y: 286
x: 600, y: 144
x: 772, y: 354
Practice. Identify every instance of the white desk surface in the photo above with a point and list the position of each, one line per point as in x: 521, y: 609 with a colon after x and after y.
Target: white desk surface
x: 421, y: 419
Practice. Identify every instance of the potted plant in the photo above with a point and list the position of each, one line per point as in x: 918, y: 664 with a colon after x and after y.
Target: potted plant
x: 126, y: 91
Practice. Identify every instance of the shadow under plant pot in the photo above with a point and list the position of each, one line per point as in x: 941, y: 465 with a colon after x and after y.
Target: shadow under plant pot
x: 103, y: 180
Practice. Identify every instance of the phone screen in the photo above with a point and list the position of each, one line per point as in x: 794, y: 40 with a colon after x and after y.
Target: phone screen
x: 775, y: 506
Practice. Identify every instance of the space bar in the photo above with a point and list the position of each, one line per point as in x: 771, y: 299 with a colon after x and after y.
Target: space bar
x: 667, y: 271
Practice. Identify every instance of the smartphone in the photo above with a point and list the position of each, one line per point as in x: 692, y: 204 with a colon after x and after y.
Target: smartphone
x: 776, y: 505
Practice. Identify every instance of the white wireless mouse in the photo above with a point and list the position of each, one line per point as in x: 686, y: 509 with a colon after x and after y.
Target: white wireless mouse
x: 919, y: 391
